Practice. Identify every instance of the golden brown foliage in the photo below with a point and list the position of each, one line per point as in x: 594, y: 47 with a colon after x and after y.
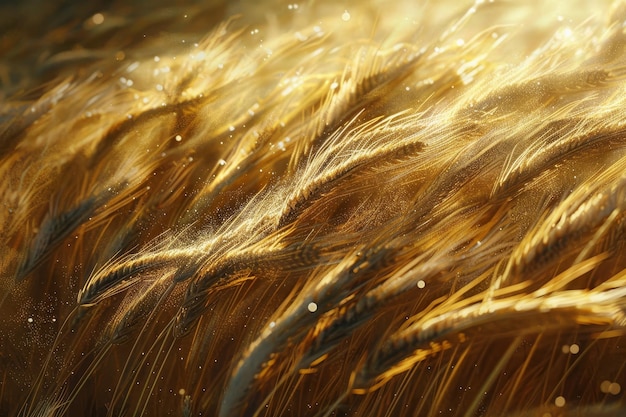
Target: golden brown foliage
x: 273, y: 209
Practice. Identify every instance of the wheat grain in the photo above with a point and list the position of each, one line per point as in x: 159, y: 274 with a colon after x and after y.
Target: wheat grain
x: 261, y: 208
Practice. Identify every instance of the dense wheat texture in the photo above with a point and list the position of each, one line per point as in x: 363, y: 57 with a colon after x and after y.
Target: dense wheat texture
x: 324, y: 208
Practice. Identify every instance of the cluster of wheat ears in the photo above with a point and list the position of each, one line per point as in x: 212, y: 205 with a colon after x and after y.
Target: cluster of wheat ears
x: 313, y: 209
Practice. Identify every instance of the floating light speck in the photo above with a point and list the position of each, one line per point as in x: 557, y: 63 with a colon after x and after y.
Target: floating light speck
x: 97, y: 18
x: 609, y: 387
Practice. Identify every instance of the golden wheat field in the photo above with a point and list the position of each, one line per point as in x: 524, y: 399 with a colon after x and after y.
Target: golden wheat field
x: 315, y: 208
